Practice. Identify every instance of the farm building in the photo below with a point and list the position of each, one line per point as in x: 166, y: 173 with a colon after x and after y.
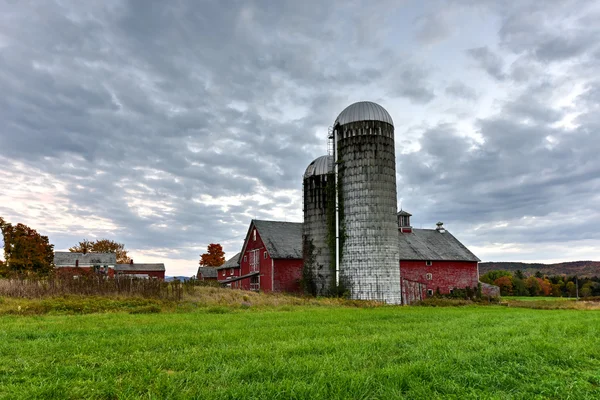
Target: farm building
x: 207, y: 274
x: 271, y: 257
x: 144, y: 271
x: 75, y: 264
x: 432, y: 260
x: 352, y: 238
x: 230, y: 270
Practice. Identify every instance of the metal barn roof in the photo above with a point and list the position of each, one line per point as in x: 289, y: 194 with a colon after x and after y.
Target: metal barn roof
x: 68, y: 259
x: 233, y: 262
x: 363, y: 111
x: 320, y: 166
x: 140, y: 267
x: 282, y: 239
x: 207, y: 272
x: 429, y: 244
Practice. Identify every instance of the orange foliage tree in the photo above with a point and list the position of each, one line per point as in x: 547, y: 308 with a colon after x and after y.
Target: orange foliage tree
x: 25, y: 250
x: 214, y: 256
x: 505, y: 284
x: 102, y: 246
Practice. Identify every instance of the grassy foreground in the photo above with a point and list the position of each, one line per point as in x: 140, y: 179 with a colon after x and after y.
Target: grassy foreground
x: 306, y: 352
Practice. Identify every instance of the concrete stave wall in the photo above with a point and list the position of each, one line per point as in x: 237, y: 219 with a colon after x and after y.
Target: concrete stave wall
x: 366, y: 153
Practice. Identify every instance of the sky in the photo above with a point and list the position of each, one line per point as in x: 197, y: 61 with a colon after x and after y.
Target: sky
x: 170, y: 125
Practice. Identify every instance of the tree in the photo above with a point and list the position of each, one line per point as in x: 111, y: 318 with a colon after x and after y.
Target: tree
x: 25, y: 250
x: 519, y: 274
x: 533, y: 285
x: 505, y: 284
x: 214, y: 256
x: 519, y: 287
x: 103, y: 246
x: 491, y: 276
x: 571, y: 288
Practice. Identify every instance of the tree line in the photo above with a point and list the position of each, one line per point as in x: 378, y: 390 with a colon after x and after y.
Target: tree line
x: 518, y: 284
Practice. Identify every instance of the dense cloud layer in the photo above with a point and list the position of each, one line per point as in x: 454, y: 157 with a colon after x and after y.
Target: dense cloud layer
x: 169, y: 125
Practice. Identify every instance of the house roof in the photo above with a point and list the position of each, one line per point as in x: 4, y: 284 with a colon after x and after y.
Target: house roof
x: 429, y: 244
x: 207, y: 272
x: 140, y: 267
x: 282, y: 239
x: 402, y: 212
x: 68, y: 259
x: 233, y: 262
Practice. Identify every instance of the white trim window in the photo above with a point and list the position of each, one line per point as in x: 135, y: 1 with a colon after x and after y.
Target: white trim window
x: 230, y: 271
x: 429, y: 292
x: 428, y: 277
x: 428, y: 263
x: 255, y: 260
x: 265, y: 255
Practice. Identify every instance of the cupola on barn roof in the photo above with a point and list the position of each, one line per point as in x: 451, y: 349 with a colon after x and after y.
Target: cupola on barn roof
x: 320, y: 166
x: 363, y: 111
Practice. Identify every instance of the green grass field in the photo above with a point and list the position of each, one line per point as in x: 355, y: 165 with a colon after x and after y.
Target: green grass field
x: 306, y: 352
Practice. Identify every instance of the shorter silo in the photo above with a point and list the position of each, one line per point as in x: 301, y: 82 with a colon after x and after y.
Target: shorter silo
x: 318, y: 239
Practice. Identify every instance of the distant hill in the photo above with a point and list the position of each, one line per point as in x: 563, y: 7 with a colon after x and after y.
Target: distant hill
x: 579, y: 268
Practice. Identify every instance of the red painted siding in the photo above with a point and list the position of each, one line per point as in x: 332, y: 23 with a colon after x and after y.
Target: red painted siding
x: 79, y: 271
x: 264, y: 265
x: 276, y: 275
x: 225, y: 273
x: 288, y: 273
x: 445, y: 275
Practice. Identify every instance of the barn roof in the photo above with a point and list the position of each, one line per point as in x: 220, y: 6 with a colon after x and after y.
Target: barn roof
x: 282, y: 239
x: 68, y: 259
x: 233, y: 262
x: 207, y: 272
x: 140, y: 267
x: 429, y: 244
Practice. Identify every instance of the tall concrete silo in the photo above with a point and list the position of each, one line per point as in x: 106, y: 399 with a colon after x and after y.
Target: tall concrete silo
x: 366, y: 159
x: 318, y: 228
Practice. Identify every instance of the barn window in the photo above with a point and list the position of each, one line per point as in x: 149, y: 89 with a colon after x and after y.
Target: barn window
x: 265, y: 255
x: 254, y: 234
x: 428, y: 263
x: 254, y: 283
x: 428, y: 277
x: 451, y: 291
x: 231, y: 271
x: 429, y: 292
x: 244, y: 258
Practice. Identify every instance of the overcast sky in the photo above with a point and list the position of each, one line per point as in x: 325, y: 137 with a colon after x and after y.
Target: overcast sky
x: 168, y: 125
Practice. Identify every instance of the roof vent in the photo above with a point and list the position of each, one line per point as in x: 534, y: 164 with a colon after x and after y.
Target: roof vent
x: 440, y: 227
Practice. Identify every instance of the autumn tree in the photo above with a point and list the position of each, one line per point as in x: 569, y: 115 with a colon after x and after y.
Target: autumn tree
x: 102, y: 246
x: 505, y: 284
x: 25, y: 250
x: 214, y: 256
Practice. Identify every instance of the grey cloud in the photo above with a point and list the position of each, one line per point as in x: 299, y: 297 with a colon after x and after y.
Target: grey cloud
x: 461, y: 91
x: 488, y: 61
x: 432, y: 27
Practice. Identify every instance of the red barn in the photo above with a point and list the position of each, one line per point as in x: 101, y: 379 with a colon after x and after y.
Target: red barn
x: 144, y: 271
x: 207, y: 274
x: 230, y: 270
x: 433, y: 260
x: 271, y: 258
x: 76, y: 264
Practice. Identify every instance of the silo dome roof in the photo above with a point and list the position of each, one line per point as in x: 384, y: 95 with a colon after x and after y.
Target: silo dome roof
x: 363, y: 111
x: 321, y: 166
